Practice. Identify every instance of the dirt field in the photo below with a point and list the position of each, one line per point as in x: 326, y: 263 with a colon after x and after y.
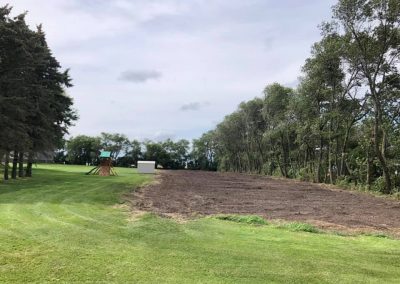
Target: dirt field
x: 188, y: 193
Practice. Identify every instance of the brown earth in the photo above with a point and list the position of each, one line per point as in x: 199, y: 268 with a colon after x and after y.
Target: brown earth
x: 189, y: 193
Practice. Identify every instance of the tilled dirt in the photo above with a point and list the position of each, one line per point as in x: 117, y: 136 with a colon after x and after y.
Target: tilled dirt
x: 189, y: 193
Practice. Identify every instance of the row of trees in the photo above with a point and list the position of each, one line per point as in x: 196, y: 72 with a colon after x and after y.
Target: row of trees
x: 83, y: 150
x: 35, y: 112
x: 342, y: 122
x: 169, y: 154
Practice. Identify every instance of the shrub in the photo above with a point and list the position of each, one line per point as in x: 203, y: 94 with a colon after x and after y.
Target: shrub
x: 396, y: 193
x: 378, y: 185
x: 304, y: 174
x: 299, y: 227
x: 344, y: 182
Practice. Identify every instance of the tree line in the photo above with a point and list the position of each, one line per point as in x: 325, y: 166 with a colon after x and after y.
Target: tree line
x: 85, y: 150
x: 35, y: 112
x: 341, y: 124
x: 168, y: 154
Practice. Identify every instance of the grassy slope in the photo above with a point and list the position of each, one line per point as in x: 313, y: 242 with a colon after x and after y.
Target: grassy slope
x: 63, y: 225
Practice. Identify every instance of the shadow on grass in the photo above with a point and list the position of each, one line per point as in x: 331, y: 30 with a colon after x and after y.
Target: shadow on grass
x: 60, y: 186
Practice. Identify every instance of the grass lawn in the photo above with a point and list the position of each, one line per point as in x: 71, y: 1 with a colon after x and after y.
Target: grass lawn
x: 63, y: 225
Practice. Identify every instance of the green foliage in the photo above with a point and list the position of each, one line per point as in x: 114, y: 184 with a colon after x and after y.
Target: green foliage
x: 203, y: 155
x: 396, y: 193
x: 132, y: 155
x: 35, y: 112
x: 299, y: 227
x: 83, y: 149
x: 114, y: 143
x: 342, y: 123
x: 304, y: 174
x: 247, y: 219
x: 371, y: 38
x: 168, y: 154
x: 344, y: 182
x: 379, y: 185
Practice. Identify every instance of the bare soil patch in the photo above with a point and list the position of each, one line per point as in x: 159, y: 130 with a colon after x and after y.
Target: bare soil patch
x: 190, y: 193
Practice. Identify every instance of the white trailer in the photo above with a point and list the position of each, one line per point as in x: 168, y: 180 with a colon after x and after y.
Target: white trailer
x: 146, y: 167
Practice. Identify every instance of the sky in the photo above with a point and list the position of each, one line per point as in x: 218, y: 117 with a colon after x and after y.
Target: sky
x: 160, y: 69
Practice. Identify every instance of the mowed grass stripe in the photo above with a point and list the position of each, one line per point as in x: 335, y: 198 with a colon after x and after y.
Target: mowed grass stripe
x: 63, y: 225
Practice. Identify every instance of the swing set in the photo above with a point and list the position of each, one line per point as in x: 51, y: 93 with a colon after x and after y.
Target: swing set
x: 105, y: 167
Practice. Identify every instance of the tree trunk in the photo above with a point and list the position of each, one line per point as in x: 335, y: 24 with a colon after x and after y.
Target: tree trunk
x: 329, y: 156
x: 279, y: 164
x: 343, y: 155
x: 369, y: 169
x: 6, y: 164
x: 21, y: 164
x: 284, y: 157
x: 319, y: 160
x: 336, y: 156
x: 378, y: 149
x: 261, y: 153
x: 14, y: 165
x: 28, y: 172
x: 326, y: 168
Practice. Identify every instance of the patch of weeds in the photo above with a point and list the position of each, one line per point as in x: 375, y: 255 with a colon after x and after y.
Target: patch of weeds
x: 396, y: 193
x: 246, y: 219
x: 377, y: 235
x: 379, y: 185
x: 299, y: 227
x: 341, y: 234
x: 304, y: 174
x: 344, y: 182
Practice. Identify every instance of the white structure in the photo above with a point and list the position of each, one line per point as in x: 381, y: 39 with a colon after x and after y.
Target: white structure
x: 146, y: 167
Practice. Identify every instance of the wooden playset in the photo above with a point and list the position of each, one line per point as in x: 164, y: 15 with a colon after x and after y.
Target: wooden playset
x: 105, y: 167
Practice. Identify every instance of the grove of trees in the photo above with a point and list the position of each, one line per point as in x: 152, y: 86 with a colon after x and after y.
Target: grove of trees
x: 35, y: 112
x: 341, y: 124
x: 82, y: 150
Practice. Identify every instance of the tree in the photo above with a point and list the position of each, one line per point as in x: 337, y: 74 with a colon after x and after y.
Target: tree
x: 277, y: 100
x: 203, y: 155
x: 177, y: 153
x: 371, y: 28
x: 115, y: 143
x: 34, y: 111
x: 83, y: 149
x: 168, y: 154
x: 53, y: 113
x: 133, y: 153
x: 14, y: 64
x: 341, y: 124
x: 154, y: 151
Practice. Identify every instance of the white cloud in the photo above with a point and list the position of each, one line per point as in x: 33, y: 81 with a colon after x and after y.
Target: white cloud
x: 221, y: 52
x: 139, y: 76
x: 194, y: 106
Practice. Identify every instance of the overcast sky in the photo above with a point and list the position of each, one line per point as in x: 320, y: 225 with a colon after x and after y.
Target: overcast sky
x: 166, y: 68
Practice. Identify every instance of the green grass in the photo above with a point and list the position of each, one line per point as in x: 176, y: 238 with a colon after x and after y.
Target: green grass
x: 246, y: 219
x: 63, y: 225
x: 299, y: 227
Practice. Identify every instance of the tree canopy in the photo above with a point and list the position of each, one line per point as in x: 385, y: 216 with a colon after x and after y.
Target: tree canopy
x: 341, y: 124
x: 35, y: 111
